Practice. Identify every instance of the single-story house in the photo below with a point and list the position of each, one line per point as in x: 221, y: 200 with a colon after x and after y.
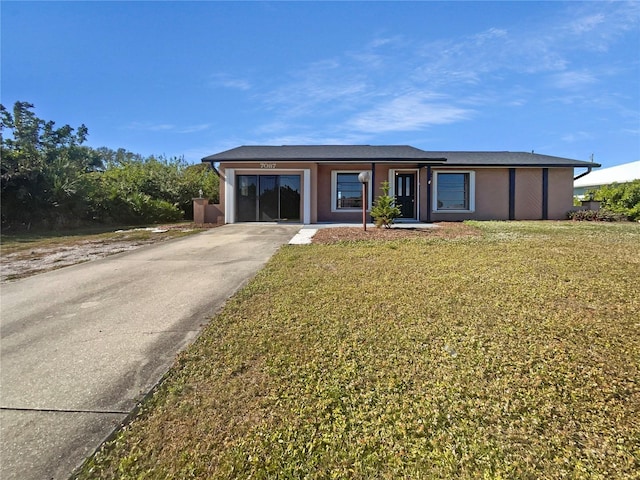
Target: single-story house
x: 624, y: 173
x: 319, y: 183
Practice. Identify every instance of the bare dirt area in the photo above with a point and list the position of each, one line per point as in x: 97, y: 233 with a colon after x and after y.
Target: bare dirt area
x: 445, y: 230
x: 25, y: 257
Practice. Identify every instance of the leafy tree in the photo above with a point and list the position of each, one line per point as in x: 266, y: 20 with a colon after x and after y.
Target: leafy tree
x: 133, y: 189
x: 196, y: 178
x: 623, y: 198
x: 50, y: 179
x: 385, y: 210
x: 41, y: 168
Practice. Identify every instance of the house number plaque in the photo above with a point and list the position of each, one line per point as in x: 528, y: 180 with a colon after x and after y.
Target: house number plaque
x: 267, y: 165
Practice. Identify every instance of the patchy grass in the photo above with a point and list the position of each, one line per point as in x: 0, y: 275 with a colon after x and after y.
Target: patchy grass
x: 26, y: 254
x: 23, y: 241
x: 513, y: 354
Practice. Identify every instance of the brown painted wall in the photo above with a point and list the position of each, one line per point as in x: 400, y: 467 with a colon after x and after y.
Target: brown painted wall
x: 313, y: 193
x: 528, y: 204
x: 222, y: 189
x: 204, y: 212
x: 324, y: 193
x: 491, y: 197
x: 492, y: 194
x: 560, y: 193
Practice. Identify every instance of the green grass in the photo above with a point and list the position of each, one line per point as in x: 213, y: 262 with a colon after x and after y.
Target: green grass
x: 515, y: 354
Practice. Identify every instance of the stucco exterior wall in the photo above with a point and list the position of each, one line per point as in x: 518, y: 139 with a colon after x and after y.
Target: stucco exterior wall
x: 222, y: 189
x: 560, y: 193
x: 324, y: 200
x: 528, y: 200
x: 491, y: 190
x: 205, y: 212
x: 491, y: 197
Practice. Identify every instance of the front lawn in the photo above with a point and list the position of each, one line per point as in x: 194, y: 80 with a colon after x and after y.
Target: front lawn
x: 513, y: 352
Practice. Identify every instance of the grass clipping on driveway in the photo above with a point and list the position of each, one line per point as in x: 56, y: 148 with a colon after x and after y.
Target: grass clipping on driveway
x: 513, y: 354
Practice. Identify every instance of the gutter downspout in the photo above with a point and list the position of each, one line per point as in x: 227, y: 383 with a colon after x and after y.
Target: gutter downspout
x: 583, y: 174
x: 211, y: 164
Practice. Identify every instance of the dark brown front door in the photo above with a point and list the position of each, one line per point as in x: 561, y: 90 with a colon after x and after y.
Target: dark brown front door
x: 406, y: 194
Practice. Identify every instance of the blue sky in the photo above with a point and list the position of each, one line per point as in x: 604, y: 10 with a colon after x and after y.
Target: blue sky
x: 195, y: 78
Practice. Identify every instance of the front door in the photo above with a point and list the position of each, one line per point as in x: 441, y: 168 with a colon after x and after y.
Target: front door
x: 406, y: 194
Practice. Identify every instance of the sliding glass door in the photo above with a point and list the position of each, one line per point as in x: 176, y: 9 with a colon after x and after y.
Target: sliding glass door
x: 268, y: 198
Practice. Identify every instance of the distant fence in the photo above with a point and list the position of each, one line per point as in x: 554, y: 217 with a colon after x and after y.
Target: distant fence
x: 588, y: 205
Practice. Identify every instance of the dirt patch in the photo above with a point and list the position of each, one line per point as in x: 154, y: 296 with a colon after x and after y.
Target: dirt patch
x: 447, y: 230
x: 46, y: 256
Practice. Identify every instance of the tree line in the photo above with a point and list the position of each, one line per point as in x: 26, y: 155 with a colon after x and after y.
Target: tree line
x: 50, y: 179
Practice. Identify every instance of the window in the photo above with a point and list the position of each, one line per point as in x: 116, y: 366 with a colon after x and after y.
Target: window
x: 346, y: 191
x: 454, y: 191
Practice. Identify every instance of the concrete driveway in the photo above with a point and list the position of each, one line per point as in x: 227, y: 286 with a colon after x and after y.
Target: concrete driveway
x: 80, y: 346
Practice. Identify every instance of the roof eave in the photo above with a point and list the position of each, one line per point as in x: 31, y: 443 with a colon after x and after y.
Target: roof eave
x: 521, y: 165
x: 324, y: 160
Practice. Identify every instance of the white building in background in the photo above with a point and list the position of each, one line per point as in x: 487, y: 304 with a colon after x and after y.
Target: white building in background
x: 625, y: 173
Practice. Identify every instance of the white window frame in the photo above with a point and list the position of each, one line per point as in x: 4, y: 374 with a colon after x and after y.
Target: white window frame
x: 334, y: 191
x: 472, y: 192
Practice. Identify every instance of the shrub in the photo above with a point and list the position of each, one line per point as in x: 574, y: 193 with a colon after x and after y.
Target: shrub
x: 621, y: 198
x: 385, y: 210
x: 595, y: 216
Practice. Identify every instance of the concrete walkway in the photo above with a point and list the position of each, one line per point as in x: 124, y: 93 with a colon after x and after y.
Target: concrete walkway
x: 80, y: 346
x: 306, y: 233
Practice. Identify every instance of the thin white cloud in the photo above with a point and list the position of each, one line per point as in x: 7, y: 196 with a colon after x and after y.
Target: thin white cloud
x: 227, y: 81
x: 167, y: 127
x: 317, y: 138
x: 573, y: 79
x: 586, y: 23
x: 491, y: 34
x: 319, y: 88
x: 408, y: 112
x: 596, y: 25
x: 577, y: 137
x: 151, y: 127
x: 194, y: 128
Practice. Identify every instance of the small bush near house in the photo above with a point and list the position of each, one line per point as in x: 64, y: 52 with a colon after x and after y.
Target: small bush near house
x: 595, y: 216
x: 385, y: 210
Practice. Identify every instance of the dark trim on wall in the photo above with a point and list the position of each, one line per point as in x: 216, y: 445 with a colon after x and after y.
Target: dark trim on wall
x: 512, y: 194
x: 373, y: 188
x: 428, y: 194
x: 373, y: 180
x: 545, y: 193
